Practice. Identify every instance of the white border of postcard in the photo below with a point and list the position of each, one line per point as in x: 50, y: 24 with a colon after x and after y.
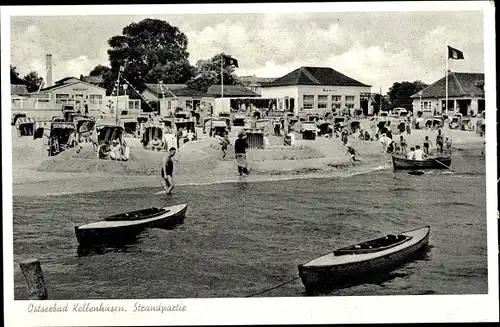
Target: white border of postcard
x: 301, y: 310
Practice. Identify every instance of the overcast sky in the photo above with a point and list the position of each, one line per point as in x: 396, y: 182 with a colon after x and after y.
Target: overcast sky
x: 376, y: 48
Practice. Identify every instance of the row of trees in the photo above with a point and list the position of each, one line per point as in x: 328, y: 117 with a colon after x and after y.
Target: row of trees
x: 31, y: 80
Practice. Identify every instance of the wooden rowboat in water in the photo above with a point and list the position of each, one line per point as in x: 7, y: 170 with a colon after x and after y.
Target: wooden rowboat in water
x: 124, y: 227
x: 346, y: 264
x: 400, y: 162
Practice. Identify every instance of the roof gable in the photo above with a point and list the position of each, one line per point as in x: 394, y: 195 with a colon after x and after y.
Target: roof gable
x: 459, y: 84
x: 315, y: 76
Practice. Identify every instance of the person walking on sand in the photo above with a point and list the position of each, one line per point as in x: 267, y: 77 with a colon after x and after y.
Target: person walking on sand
x: 240, y: 147
x: 167, y: 169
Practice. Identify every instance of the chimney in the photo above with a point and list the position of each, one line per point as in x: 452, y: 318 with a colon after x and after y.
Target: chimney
x: 48, y: 64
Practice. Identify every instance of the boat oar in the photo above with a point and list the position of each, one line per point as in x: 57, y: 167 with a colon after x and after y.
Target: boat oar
x: 439, y: 162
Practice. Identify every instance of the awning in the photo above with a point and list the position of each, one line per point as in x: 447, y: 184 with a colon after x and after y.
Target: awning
x: 24, y: 120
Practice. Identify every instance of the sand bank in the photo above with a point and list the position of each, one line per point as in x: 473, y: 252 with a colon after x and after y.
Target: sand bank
x: 200, y: 163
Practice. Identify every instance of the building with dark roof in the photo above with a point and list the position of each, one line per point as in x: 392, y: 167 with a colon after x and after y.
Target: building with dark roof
x: 254, y: 83
x: 319, y: 89
x: 172, y: 96
x: 465, y: 95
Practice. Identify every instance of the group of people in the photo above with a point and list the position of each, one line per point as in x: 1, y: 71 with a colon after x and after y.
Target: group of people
x: 118, y: 150
x: 443, y: 144
x: 184, y: 135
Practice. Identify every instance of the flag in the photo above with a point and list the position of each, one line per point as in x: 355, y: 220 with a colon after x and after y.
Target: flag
x: 455, y: 54
x: 228, y: 61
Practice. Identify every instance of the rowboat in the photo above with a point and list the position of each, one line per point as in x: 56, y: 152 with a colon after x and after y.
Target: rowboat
x: 400, y: 162
x: 125, y: 227
x: 360, y: 260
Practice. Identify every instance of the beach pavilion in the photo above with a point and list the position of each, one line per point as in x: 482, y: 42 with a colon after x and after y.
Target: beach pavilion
x: 318, y: 90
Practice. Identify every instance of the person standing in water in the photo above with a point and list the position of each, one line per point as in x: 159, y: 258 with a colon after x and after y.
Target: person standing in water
x: 240, y: 147
x: 167, y: 169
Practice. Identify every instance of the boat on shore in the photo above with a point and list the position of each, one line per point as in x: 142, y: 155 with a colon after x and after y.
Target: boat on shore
x: 125, y: 227
x: 362, y: 260
x: 400, y: 162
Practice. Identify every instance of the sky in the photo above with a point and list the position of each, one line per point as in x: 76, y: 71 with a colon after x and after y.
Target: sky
x: 375, y: 48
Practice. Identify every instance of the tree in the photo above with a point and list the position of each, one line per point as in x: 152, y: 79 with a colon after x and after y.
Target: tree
x: 33, y: 81
x: 150, y: 49
x: 14, y: 76
x: 99, y: 70
x: 400, y: 93
x: 208, y: 72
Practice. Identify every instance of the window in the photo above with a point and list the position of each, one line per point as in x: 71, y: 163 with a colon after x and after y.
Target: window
x: 349, y: 105
x: 307, y: 101
x: 322, y: 101
x: 62, y: 98
x: 189, y: 104
x: 349, y: 98
x: 425, y: 105
x: 336, y: 98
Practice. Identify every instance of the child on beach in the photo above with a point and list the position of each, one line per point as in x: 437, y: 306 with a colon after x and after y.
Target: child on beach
x: 224, y: 144
x: 448, y: 144
x: 402, y: 144
x: 352, y: 152
x: 411, y: 155
x: 427, y: 144
x: 167, y: 169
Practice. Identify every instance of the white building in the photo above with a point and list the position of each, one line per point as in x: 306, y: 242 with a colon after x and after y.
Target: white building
x: 319, y: 89
x: 48, y: 102
x: 465, y: 95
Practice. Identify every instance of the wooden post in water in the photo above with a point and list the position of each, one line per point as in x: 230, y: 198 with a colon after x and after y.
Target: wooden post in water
x: 32, y: 272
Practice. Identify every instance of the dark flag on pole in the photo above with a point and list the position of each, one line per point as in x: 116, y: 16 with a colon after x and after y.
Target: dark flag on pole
x: 228, y: 61
x: 455, y: 54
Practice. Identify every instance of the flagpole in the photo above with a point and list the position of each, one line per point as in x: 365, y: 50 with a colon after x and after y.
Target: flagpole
x: 380, y: 105
x: 117, y: 94
x: 447, y: 59
x: 222, y: 82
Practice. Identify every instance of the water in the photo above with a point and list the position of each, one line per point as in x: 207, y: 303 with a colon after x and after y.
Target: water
x: 241, y: 238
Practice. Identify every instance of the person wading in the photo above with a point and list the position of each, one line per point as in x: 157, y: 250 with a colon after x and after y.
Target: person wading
x: 167, y: 170
x: 240, y: 147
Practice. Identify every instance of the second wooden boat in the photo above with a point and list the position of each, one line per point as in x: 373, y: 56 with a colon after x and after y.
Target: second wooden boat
x: 362, y: 259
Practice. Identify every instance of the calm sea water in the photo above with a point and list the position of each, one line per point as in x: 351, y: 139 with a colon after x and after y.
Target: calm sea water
x: 241, y: 238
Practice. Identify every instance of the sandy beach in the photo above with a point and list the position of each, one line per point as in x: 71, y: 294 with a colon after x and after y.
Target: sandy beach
x: 200, y: 162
